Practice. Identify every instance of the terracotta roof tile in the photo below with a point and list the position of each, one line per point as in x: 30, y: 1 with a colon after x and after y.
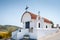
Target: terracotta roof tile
x: 46, y: 20
x: 34, y: 16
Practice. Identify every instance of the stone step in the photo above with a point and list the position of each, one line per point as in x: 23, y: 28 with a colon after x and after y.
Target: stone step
x: 26, y: 37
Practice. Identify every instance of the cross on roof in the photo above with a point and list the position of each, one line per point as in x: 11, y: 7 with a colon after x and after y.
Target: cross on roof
x: 26, y: 8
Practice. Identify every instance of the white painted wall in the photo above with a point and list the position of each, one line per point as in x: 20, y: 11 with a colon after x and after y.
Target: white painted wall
x: 14, y: 34
x: 26, y: 17
x: 33, y: 34
x: 33, y: 23
x: 48, y: 25
x: 41, y: 21
x: 22, y: 33
x: 37, y: 33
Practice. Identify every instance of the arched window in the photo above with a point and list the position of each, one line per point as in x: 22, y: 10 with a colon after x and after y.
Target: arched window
x: 19, y: 30
x: 39, y: 25
x: 27, y: 25
x: 46, y: 26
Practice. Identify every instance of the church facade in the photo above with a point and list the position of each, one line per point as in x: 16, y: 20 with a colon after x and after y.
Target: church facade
x: 35, y: 21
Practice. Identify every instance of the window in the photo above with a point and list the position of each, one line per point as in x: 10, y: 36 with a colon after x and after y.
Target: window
x: 19, y: 30
x: 27, y: 25
x: 39, y: 25
x: 46, y: 26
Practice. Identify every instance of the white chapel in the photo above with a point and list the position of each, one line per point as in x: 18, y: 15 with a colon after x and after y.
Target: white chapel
x: 34, y: 26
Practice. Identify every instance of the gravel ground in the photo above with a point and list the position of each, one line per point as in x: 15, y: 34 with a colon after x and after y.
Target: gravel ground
x: 55, y: 36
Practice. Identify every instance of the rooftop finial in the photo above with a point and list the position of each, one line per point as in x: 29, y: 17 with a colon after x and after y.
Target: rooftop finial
x: 38, y: 15
x: 26, y: 8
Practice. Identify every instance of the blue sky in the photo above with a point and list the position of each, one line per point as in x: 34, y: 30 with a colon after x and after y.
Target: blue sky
x: 12, y: 10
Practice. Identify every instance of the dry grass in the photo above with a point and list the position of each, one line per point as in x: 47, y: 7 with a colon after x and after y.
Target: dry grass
x: 6, y: 30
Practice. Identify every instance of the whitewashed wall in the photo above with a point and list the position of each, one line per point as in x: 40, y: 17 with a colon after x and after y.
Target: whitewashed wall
x: 33, y: 34
x: 48, y: 25
x: 33, y: 23
x: 26, y: 17
x: 14, y: 34
x: 41, y: 21
x: 37, y: 33
x: 22, y: 33
x: 19, y: 35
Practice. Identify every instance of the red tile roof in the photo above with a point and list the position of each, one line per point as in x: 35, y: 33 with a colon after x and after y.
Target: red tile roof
x: 47, y: 21
x: 34, y: 16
